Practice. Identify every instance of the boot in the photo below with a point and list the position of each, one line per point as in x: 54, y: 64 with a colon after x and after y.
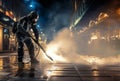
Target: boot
x: 20, y: 65
x: 20, y: 69
x: 34, y: 61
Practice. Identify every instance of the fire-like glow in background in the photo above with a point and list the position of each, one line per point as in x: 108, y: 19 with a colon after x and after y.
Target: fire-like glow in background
x: 53, y: 50
x: 96, y: 44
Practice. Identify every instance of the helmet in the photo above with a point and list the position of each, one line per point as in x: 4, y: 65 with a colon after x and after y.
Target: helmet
x: 33, y: 15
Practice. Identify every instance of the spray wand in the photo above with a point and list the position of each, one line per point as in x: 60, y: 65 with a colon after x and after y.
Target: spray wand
x: 40, y: 47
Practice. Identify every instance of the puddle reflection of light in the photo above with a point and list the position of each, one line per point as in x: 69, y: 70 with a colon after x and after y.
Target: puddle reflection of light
x: 49, y: 72
x: 95, y: 73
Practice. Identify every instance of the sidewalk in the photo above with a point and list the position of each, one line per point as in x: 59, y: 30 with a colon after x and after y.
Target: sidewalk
x: 57, y: 72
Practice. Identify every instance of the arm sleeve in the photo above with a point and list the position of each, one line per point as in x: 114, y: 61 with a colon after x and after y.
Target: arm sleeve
x: 35, y: 32
x: 22, y: 20
x: 14, y: 27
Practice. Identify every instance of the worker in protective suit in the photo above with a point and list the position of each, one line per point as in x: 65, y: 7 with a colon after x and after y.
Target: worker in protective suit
x: 21, y: 29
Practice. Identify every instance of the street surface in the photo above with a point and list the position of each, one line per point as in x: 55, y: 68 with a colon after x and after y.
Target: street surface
x: 56, y: 72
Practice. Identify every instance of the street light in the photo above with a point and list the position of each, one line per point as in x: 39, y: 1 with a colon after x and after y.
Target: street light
x: 5, y: 19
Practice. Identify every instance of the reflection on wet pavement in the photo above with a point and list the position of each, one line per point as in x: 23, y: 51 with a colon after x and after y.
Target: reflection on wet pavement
x: 9, y: 71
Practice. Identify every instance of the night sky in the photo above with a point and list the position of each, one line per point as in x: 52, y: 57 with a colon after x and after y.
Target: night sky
x: 47, y: 9
x: 22, y: 7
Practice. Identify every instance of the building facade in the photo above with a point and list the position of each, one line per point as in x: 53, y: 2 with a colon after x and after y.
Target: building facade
x: 1, y: 38
x: 80, y: 8
x: 6, y: 39
x: 1, y: 28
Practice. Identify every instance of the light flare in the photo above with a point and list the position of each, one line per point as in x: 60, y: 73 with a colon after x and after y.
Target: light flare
x: 49, y: 72
x: 93, y: 59
x: 118, y: 11
x: 53, y: 50
x: 94, y: 37
x: 102, y: 16
x: 101, y: 61
x: 1, y: 64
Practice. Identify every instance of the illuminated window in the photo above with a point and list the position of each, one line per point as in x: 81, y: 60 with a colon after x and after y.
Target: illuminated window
x: 1, y: 10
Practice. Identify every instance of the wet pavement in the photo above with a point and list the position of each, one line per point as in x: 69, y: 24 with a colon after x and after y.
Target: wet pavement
x: 55, y: 72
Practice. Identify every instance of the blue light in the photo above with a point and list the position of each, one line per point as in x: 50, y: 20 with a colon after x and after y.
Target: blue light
x: 31, y: 5
x: 5, y: 30
x: 38, y: 26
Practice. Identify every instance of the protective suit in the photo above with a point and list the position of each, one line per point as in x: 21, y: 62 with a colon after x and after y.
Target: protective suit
x: 21, y: 29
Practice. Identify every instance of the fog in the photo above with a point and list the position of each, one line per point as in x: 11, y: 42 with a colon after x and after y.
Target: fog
x: 98, y: 43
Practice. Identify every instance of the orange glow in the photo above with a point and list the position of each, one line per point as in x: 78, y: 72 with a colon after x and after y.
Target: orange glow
x: 50, y: 72
x: 118, y: 11
x: 10, y: 14
x: 93, y: 59
x: 95, y: 73
x: 1, y: 38
x: 7, y: 13
x: 52, y: 51
x: 1, y: 10
x: 94, y: 37
x: 1, y: 64
x: 92, y: 23
x: 102, y: 16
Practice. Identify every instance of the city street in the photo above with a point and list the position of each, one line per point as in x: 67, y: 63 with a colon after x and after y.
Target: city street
x: 73, y: 40
x: 56, y: 72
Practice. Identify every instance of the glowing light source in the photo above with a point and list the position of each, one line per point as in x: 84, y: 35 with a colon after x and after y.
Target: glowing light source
x: 5, y: 30
x: 1, y: 64
x: 102, y: 16
x: 96, y: 73
x: 38, y: 26
x: 14, y: 19
x: 53, y: 49
x: 118, y: 11
x: 10, y: 14
x: 31, y: 5
x: 94, y: 37
x: 93, y: 59
x: 50, y: 72
x: 5, y: 19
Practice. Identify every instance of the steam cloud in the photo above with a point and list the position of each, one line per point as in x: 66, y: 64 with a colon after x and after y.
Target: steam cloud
x: 75, y: 47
